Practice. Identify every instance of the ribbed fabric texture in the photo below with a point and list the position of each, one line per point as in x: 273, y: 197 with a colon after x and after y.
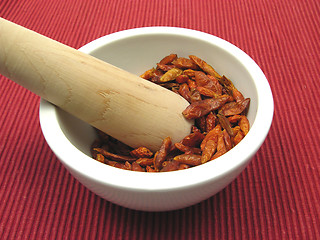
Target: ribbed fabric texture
x: 276, y: 197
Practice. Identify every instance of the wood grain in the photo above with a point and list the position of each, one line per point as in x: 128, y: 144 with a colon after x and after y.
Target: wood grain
x: 127, y: 107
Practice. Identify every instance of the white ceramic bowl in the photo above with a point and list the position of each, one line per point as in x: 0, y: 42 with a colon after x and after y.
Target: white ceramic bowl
x: 137, y: 50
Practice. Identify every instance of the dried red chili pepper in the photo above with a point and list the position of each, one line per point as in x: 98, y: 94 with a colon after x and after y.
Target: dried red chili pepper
x: 171, y: 75
x: 234, y: 118
x: 182, y: 78
x: 113, y: 156
x: 193, y: 139
x: 236, y: 107
x: 237, y: 95
x: 203, y: 107
x: 190, y: 159
x: 148, y: 74
x: 238, y: 137
x: 161, y: 155
x: 242, y: 121
x: 221, y: 147
x: 205, y: 66
x: 168, y: 59
x: 244, y: 125
x: 213, y: 133
x: 189, y: 72
x: 225, y: 124
x: 228, y: 85
x: 145, y: 161
x: 209, y: 149
x: 227, y: 140
x: 187, y: 149
x: 211, y: 121
x: 184, y: 63
x: 207, y: 92
x: 184, y: 91
x: 164, y: 67
x: 170, y: 166
x: 207, y: 82
x: 216, y: 86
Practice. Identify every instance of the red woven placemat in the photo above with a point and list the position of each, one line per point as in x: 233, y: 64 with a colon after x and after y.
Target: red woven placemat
x: 276, y: 197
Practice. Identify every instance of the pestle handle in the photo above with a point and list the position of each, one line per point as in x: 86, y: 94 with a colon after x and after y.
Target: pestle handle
x: 123, y: 105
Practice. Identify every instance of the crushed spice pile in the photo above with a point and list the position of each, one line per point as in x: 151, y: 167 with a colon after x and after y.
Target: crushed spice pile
x: 216, y: 105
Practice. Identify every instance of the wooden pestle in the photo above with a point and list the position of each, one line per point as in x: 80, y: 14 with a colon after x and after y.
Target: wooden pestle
x: 123, y: 105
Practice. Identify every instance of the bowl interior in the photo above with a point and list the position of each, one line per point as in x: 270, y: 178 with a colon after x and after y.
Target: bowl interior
x: 137, y: 54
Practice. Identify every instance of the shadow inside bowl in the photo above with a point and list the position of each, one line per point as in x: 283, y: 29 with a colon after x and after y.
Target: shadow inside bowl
x: 79, y: 133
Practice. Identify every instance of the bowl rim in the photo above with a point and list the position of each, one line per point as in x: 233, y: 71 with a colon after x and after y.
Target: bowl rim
x: 164, y: 181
